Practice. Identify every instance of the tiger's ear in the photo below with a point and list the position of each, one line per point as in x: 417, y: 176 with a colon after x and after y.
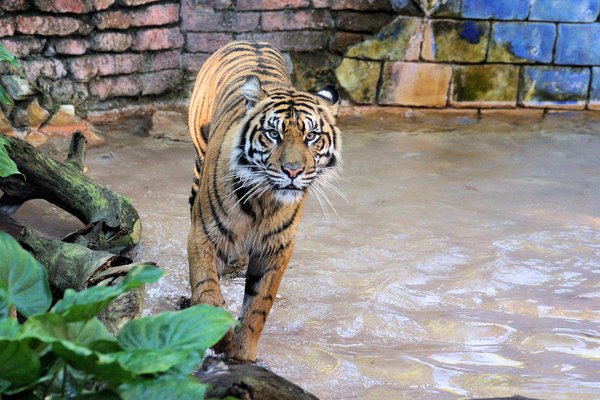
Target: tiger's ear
x: 331, y: 98
x: 252, y: 91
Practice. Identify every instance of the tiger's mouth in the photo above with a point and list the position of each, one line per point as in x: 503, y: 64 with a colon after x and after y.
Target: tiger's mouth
x: 290, y: 187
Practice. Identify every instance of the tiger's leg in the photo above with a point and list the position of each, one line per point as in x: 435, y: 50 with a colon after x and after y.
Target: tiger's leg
x: 262, y: 282
x: 204, y: 278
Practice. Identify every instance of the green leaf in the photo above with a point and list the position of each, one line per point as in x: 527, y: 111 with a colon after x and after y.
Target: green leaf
x: 86, y: 304
x: 4, y: 97
x: 7, y: 165
x: 154, y: 361
x: 9, y: 329
x: 19, y: 364
x: 195, y: 329
x: 167, y: 387
x: 24, y: 280
x: 9, y: 57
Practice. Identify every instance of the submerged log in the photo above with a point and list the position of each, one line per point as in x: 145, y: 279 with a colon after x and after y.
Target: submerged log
x: 111, y: 222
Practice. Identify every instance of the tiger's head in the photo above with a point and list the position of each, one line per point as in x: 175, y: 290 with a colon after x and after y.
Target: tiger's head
x: 288, y: 141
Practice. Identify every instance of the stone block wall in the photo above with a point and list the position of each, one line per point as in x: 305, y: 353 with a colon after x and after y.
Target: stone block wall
x: 480, y: 54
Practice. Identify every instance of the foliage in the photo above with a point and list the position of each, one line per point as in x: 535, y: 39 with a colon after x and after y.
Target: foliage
x: 7, y: 166
x: 7, y: 56
x: 66, y: 352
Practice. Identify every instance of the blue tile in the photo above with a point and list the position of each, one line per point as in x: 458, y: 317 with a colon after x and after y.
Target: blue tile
x: 558, y: 86
x: 495, y: 9
x: 522, y: 42
x: 578, y: 44
x: 564, y: 10
x: 595, y: 94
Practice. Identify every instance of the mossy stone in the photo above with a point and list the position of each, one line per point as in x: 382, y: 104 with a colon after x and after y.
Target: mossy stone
x: 400, y: 40
x: 359, y: 79
x: 462, y: 41
x: 496, y: 84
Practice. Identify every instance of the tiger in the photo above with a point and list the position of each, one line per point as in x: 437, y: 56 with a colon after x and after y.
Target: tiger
x: 261, y: 146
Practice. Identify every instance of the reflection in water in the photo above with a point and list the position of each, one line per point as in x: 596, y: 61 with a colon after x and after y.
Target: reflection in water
x: 465, y: 262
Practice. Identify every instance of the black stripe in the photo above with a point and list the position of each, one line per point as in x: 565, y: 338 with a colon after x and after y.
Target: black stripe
x: 284, y: 226
x: 241, y: 191
x: 252, y: 281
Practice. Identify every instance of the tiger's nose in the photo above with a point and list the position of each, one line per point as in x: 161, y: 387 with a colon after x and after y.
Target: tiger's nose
x: 292, y: 170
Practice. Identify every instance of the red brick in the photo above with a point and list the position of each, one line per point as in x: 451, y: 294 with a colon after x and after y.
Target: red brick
x: 160, y: 82
x: 46, y: 67
x: 194, y: 5
x: 85, y: 68
x: 136, y: 2
x: 228, y: 21
x: 15, y: 5
x: 322, y: 3
x: 206, y: 42
x: 48, y: 26
x: 112, y: 41
x: 129, y: 85
x: 157, y: 39
x: 73, y: 6
x: 193, y: 62
x: 157, y: 61
x: 290, y: 41
x: 360, y: 22
x: 158, y: 14
x: 7, y: 26
x: 340, y: 41
x: 70, y: 46
x: 270, y: 4
x: 361, y: 5
x: 295, y: 20
x: 24, y: 46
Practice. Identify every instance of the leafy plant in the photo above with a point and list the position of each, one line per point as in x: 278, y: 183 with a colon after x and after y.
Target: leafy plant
x: 66, y: 352
x: 7, y: 56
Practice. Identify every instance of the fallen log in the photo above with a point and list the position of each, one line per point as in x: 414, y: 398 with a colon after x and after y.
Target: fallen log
x: 111, y: 223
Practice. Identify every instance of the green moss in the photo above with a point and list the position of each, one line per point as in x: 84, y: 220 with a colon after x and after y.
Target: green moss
x: 359, y: 79
x: 485, y: 83
x: 394, y: 42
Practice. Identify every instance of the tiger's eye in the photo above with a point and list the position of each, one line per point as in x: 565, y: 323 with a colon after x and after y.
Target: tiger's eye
x: 311, y: 136
x: 272, y: 134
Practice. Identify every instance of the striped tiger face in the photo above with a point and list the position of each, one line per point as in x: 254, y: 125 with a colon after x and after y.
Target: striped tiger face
x: 289, y: 141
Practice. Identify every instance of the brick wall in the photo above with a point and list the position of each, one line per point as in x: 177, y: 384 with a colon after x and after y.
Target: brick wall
x: 480, y: 54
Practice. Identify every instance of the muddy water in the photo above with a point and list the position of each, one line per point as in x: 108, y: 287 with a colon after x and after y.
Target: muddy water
x: 465, y: 261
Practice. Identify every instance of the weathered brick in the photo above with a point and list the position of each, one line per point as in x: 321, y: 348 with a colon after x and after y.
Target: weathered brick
x: 7, y: 26
x: 206, y: 42
x: 518, y: 42
x: 558, y: 87
x: 193, y: 62
x: 44, y: 67
x: 406, y: 7
x: 160, y: 82
x: 17, y: 87
x: 564, y: 10
x: 290, y: 41
x: 73, y: 6
x: 48, y: 25
x: 485, y: 86
x: 154, y: 15
x: 24, y: 46
x: 112, y: 41
x: 463, y: 41
x: 70, y: 46
x: 36, y: 114
x: 595, y: 89
x: 157, y: 39
x: 400, y: 40
x: 359, y: 79
x: 313, y: 70
x: 193, y: 5
x: 322, y: 3
x: 15, y: 5
x: 136, y: 2
x: 415, y: 84
x: 220, y: 21
x: 104, y: 88
x: 578, y: 44
x: 359, y: 22
x: 340, y: 41
x: 295, y: 20
x: 361, y: 5
x: 87, y: 67
x: 451, y: 9
x: 496, y: 9
x: 270, y: 4
x: 62, y: 91
x: 157, y: 61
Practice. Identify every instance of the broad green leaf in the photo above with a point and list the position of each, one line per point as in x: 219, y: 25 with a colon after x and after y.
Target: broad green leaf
x: 86, y: 304
x: 4, y: 385
x: 7, y: 165
x: 9, y: 57
x: 195, y: 329
x: 23, y: 279
x: 19, y: 364
x: 153, y: 361
x: 167, y: 387
x: 50, y: 328
x: 9, y: 329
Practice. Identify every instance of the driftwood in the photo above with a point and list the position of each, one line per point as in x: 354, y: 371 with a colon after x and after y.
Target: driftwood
x: 90, y: 256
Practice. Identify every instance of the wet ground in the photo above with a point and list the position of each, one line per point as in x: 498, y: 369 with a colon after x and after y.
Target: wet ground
x: 465, y: 261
